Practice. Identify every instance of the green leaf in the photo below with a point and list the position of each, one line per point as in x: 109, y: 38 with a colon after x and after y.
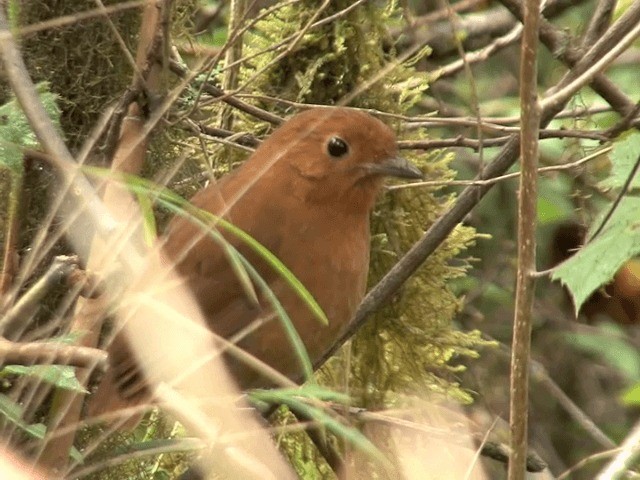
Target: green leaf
x: 597, y: 262
x: 554, y: 204
x: 610, y: 344
x: 631, y: 396
x: 149, y: 226
x: 15, y: 131
x: 61, y: 376
x: 294, y: 399
x: 14, y: 412
x: 623, y: 158
x: 551, y: 211
x: 311, y: 391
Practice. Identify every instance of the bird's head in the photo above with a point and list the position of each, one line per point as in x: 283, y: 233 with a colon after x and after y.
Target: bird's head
x: 336, y: 155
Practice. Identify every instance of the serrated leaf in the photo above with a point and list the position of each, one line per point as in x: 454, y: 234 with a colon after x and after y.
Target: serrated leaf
x: 596, y: 263
x: 624, y: 155
x: 61, y: 376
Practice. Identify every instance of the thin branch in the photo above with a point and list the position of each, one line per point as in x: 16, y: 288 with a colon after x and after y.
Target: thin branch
x: 475, y: 144
x: 494, y: 450
x: 481, y: 55
x: 14, y: 321
x: 501, y: 178
x: 527, y: 214
x: 82, y: 192
x: 594, y: 69
x: 230, y: 79
x: 616, y: 202
x: 12, y: 221
x: 226, y: 97
x: 560, y: 45
x: 48, y: 353
x: 75, y: 18
x: 600, y: 21
x: 243, y: 140
x: 628, y: 121
x: 596, y: 457
x: 626, y: 458
x: 539, y: 374
x: 459, y: 141
x: 119, y: 40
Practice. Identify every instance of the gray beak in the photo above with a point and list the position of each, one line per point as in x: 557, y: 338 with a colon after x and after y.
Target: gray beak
x: 395, y: 167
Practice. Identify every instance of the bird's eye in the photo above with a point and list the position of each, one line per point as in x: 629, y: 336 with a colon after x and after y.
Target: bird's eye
x: 337, y: 147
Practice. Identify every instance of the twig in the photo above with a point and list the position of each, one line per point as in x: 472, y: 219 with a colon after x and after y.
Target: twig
x: 494, y: 450
x: 628, y: 121
x: 501, y: 178
x: 237, y: 12
x: 476, y: 144
x: 47, y: 353
x: 527, y: 214
x: 616, y: 202
x: 599, y: 22
x: 46, y: 133
x: 217, y: 92
x: 560, y: 45
x: 459, y: 141
x: 625, y: 459
x: 608, y: 42
x: 539, y: 374
x: 594, y: 69
x: 586, y: 461
x: 76, y: 18
x: 242, y: 139
x: 473, y: 87
x: 17, y: 318
x: 480, y: 55
x: 12, y: 229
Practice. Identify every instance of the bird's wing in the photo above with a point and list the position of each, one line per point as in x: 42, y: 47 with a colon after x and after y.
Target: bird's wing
x: 228, y: 304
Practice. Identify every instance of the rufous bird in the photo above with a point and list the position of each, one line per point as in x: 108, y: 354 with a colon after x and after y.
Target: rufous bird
x: 306, y: 194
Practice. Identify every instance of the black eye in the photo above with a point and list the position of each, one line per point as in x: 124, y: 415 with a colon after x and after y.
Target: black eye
x: 337, y: 147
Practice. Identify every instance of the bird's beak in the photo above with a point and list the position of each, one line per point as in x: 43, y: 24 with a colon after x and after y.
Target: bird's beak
x: 395, y: 167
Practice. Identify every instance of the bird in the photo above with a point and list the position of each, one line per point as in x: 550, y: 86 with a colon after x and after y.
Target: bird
x: 306, y: 194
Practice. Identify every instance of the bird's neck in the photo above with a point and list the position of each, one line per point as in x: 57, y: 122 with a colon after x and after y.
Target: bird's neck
x: 357, y: 200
